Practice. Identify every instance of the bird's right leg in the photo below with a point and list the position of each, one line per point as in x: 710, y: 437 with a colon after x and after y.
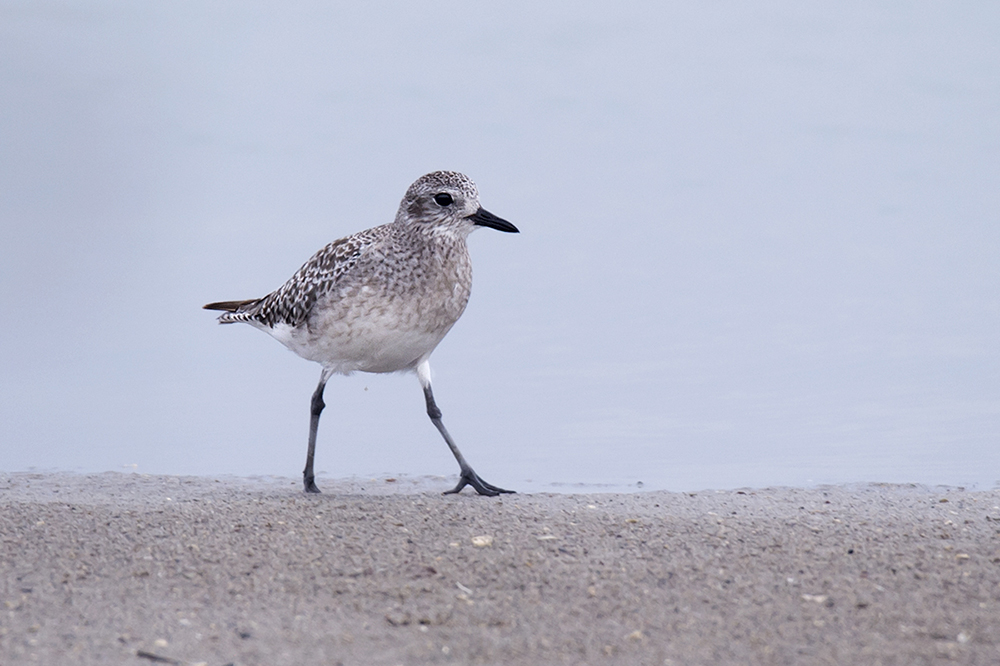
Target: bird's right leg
x: 315, y: 409
x: 468, y: 476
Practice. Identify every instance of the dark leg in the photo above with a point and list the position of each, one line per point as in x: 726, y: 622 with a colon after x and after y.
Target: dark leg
x: 316, y: 408
x: 468, y: 475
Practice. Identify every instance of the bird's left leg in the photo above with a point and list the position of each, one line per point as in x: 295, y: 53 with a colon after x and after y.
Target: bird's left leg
x: 315, y: 409
x: 468, y: 475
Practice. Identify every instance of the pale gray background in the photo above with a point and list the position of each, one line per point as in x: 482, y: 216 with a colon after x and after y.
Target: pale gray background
x: 761, y: 245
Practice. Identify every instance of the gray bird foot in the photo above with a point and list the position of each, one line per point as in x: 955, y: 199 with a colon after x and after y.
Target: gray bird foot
x: 310, y: 484
x: 470, y: 478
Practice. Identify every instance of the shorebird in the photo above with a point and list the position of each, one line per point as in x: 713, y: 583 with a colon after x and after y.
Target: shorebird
x: 382, y: 299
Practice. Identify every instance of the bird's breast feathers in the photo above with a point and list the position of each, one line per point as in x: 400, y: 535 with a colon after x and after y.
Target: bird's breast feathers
x: 380, y: 325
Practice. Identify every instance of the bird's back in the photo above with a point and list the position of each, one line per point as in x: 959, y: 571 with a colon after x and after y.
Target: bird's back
x: 377, y: 301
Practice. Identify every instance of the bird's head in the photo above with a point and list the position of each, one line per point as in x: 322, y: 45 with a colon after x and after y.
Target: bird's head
x: 447, y: 200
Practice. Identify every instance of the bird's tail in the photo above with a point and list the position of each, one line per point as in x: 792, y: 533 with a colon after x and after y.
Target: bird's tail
x: 235, y: 311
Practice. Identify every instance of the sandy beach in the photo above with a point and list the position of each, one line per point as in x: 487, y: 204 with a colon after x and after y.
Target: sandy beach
x: 134, y: 569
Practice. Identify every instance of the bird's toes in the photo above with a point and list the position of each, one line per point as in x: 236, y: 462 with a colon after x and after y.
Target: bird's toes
x: 470, y: 478
x: 496, y: 490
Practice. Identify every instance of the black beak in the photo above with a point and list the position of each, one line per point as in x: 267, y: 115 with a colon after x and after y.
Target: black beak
x: 485, y: 218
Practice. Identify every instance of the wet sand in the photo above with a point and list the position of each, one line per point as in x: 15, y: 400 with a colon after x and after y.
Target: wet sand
x: 131, y: 569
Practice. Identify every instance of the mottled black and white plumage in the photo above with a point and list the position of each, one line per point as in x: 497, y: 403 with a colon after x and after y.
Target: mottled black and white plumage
x: 382, y: 299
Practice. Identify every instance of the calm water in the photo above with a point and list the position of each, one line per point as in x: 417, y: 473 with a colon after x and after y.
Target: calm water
x: 759, y: 245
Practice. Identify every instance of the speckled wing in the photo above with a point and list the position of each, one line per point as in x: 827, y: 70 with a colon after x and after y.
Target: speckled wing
x: 292, y: 302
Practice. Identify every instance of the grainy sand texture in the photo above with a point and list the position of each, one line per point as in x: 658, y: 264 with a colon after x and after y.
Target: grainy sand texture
x: 132, y: 569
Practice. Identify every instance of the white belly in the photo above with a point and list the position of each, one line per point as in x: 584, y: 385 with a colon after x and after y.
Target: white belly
x: 368, y: 332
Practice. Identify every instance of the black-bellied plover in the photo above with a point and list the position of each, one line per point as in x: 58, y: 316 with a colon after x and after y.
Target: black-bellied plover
x: 382, y: 299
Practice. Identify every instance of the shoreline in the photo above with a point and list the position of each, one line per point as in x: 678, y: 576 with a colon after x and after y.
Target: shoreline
x: 122, y: 568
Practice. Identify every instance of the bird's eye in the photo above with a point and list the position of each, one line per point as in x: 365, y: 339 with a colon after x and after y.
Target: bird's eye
x: 443, y: 199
